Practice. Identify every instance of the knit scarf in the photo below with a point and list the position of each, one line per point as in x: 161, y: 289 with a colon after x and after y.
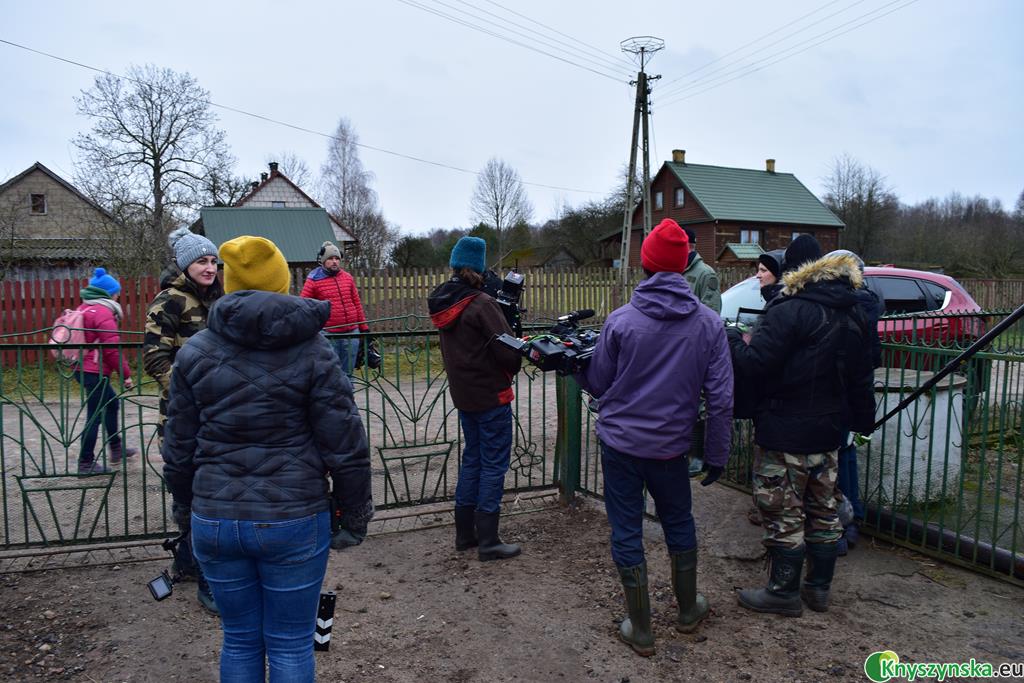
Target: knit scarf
x: 95, y: 295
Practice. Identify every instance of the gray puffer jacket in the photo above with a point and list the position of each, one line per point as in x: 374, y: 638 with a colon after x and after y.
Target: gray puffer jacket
x: 260, y: 412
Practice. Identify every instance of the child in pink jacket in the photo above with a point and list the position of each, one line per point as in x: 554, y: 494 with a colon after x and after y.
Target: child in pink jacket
x: 100, y: 317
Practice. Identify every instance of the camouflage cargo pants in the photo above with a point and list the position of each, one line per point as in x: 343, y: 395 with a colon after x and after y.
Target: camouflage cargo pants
x: 796, y: 495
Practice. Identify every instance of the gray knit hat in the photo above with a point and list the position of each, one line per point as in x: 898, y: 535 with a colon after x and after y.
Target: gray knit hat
x: 188, y: 246
x: 327, y: 250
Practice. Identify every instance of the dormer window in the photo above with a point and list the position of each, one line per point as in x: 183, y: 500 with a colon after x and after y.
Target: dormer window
x: 750, y: 236
x: 38, y: 204
x: 680, y: 196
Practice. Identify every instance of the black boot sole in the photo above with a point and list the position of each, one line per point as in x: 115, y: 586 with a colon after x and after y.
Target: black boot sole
x: 641, y: 650
x: 487, y: 557
x: 786, y: 612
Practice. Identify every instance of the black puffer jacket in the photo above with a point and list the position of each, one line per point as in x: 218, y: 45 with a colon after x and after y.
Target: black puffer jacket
x: 810, y: 354
x: 260, y: 412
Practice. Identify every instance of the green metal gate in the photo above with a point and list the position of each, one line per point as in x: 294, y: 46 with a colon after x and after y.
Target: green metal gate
x: 412, y: 427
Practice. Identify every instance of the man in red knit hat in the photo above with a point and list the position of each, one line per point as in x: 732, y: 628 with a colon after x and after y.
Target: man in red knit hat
x: 655, y: 357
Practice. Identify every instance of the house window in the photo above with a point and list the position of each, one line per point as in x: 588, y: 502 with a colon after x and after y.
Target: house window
x: 797, y: 234
x: 277, y: 205
x: 680, y: 196
x: 38, y: 203
x: 750, y: 236
x: 659, y: 200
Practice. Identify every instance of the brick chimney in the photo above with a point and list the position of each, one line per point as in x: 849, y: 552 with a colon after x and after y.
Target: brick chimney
x: 769, y: 165
x: 263, y: 177
x: 273, y: 168
x: 254, y: 184
x: 679, y: 156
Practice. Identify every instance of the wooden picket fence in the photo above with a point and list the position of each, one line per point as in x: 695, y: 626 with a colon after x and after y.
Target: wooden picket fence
x: 391, y: 297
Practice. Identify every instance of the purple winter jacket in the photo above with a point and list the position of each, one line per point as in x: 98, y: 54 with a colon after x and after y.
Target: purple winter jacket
x: 654, y: 356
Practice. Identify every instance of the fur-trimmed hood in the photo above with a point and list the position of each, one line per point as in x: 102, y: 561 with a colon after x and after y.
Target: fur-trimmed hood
x: 825, y: 269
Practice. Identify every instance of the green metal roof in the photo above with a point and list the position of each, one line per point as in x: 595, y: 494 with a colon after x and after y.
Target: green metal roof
x: 743, y: 194
x: 297, y: 232
x: 744, y: 251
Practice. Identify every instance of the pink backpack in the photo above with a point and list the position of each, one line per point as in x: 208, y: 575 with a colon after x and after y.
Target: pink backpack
x: 68, y: 336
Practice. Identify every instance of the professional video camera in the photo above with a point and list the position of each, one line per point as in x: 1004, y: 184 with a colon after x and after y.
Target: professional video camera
x: 507, y: 293
x: 566, y: 348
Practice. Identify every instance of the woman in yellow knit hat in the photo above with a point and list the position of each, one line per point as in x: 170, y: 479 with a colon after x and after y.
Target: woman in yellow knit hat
x: 259, y: 413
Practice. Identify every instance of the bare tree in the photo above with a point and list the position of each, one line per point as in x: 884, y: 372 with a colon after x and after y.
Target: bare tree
x: 862, y: 199
x: 154, y: 152
x: 348, y: 197
x: 500, y: 201
x: 292, y: 165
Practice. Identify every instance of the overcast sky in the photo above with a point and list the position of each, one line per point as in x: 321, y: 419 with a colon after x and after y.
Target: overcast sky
x: 930, y: 94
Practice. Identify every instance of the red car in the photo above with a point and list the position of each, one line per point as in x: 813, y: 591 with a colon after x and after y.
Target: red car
x: 928, y: 300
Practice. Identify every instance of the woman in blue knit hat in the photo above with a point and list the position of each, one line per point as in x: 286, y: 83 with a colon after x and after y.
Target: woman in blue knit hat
x: 101, y: 314
x: 480, y: 372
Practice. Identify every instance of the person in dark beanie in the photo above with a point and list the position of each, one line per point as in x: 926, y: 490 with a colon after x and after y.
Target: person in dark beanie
x: 259, y: 414
x: 655, y: 358
x: 329, y: 282
x: 809, y: 356
x: 800, y: 251
x: 101, y: 315
x: 177, y: 313
x: 769, y: 273
x: 480, y: 373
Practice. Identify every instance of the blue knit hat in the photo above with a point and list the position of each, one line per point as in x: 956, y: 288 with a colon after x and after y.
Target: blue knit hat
x: 188, y: 246
x: 469, y: 252
x: 107, y: 283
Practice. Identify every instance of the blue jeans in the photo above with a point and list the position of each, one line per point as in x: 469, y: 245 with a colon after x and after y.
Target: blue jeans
x: 488, y: 450
x: 99, y: 397
x: 668, y: 482
x: 847, y: 480
x: 347, y: 349
x: 266, y: 578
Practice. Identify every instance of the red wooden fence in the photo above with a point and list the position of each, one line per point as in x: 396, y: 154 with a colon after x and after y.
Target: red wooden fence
x: 27, y: 309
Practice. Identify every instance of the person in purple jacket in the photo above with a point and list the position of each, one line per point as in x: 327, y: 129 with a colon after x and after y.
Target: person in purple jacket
x: 654, y: 357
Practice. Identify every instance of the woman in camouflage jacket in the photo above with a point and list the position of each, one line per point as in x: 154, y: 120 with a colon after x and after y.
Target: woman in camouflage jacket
x: 177, y: 313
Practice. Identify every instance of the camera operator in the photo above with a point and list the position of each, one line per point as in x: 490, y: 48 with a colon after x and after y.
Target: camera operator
x: 480, y: 372
x: 652, y: 361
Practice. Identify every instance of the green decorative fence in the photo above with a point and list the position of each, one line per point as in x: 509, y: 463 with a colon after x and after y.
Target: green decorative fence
x: 945, y: 475
x: 412, y: 427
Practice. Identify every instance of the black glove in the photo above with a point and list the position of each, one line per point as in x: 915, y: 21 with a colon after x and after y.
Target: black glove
x: 368, y: 354
x: 712, y: 473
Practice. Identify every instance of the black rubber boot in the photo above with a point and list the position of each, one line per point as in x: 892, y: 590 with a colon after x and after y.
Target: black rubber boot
x: 693, y: 607
x: 782, y: 594
x: 821, y: 565
x: 635, y: 630
x: 465, y: 527
x: 205, y: 595
x: 491, y: 547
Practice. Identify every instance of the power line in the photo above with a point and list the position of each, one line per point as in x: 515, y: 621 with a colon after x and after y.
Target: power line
x: 443, y: 15
x: 599, y: 60
x: 707, y: 78
x: 592, y: 47
x: 759, y: 39
x: 781, y: 59
x: 278, y: 122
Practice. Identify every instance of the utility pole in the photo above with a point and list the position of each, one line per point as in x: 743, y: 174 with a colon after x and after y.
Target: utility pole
x: 642, y: 48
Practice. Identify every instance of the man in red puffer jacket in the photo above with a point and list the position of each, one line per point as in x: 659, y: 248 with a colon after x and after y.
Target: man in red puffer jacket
x: 329, y: 282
